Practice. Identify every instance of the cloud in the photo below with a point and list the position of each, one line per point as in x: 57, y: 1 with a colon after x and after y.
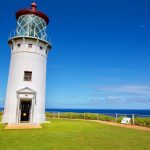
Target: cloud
x: 112, y: 97
x: 138, y: 100
x: 130, y: 89
x: 106, y: 99
x: 119, y: 100
x: 121, y: 94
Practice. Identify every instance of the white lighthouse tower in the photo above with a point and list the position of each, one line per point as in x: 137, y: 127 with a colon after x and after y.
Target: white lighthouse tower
x: 25, y: 97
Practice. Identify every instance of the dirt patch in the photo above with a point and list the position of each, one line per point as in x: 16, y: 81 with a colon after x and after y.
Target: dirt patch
x: 122, y: 125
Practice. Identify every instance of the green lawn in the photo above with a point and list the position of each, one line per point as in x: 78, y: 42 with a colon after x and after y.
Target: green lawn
x: 74, y: 135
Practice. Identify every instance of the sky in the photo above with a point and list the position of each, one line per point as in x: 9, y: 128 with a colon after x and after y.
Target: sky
x: 100, y: 57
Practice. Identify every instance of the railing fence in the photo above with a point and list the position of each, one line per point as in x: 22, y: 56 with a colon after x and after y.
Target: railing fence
x: 115, y: 117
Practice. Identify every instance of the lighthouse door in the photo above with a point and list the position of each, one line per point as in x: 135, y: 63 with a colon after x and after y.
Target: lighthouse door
x: 25, y: 108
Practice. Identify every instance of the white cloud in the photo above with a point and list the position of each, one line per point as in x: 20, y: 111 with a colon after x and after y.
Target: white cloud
x: 125, y: 94
x: 130, y: 89
x: 112, y: 97
x: 126, y: 100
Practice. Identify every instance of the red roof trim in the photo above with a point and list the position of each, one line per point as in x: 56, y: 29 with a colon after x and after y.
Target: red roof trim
x: 31, y: 11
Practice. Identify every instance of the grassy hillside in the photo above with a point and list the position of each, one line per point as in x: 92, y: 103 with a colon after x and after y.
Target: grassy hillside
x: 74, y: 135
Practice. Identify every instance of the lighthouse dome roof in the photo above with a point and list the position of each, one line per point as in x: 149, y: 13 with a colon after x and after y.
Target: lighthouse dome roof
x: 32, y: 10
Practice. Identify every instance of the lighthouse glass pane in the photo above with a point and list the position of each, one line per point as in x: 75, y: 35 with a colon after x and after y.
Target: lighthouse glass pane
x: 31, y: 25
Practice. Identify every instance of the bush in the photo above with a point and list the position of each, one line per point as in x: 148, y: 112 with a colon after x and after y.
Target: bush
x: 71, y: 115
x: 106, y: 118
x: 88, y: 116
x: 81, y: 116
x: 147, y: 120
x: 91, y: 116
x: 119, y: 119
x: 49, y: 114
x: 77, y: 116
x: 64, y: 115
x: 142, y: 121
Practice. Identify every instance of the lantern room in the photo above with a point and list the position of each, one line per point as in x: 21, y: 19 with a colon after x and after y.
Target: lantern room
x: 31, y: 22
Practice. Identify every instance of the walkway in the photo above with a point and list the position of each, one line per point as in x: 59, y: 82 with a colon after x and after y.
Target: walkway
x: 122, y: 125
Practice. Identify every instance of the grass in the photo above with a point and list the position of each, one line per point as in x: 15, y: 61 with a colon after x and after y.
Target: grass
x: 63, y: 134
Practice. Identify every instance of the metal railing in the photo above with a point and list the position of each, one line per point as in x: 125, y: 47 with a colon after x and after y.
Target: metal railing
x: 113, y: 117
x: 13, y: 33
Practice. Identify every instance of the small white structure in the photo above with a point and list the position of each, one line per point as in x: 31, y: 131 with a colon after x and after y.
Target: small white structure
x: 126, y: 120
x: 25, y: 97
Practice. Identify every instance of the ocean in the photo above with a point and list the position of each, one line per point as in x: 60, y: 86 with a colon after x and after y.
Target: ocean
x: 101, y: 111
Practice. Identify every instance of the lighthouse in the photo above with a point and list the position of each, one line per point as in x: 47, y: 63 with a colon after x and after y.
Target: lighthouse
x: 26, y: 87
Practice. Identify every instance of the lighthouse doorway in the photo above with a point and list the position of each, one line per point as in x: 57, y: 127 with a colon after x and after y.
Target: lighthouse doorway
x: 25, y: 110
x: 25, y: 105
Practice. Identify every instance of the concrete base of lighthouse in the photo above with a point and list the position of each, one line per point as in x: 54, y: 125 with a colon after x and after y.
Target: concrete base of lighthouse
x: 23, y: 126
x: 11, y: 118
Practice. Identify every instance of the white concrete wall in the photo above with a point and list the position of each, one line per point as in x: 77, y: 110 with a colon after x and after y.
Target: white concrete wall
x: 26, y: 59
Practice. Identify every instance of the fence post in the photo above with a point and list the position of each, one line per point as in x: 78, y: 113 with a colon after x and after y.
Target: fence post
x: 133, y: 119
x: 97, y: 117
x: 116, y: 117
x: 58, y: 115
x: 71, y: 115
x: 84, y: 115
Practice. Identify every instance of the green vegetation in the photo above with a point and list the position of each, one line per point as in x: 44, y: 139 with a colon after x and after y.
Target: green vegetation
x: 142, y: 121
x: 138, y: 121
x: 63, y: 134
x: 91, y: 116
x: 119, y: 119
x: 87, y: 116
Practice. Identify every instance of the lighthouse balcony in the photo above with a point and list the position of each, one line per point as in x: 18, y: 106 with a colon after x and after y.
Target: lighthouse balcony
x: 14, y: 34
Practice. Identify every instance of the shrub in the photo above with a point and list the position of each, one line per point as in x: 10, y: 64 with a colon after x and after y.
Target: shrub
x: 49, y: 114
x: 91, y: 116
x: 119, y: 119
x: 71, y: 115
x: 106, y: 118
x: 142, y: 121
x: 147, y: 120
x: 64, y: 115
x: 81, y: 115
x: 77, y: 116
x: 87, y: 116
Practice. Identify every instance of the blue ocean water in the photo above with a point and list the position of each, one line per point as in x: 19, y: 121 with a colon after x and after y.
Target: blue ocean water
x: 101, y: 111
